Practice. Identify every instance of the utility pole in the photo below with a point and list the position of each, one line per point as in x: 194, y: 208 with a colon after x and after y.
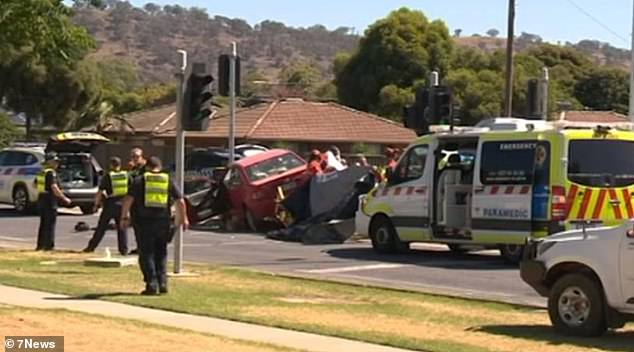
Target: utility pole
x: 180, y: 150
x: 232, y: 104
x: 508, y: 94
x: 632, y: 72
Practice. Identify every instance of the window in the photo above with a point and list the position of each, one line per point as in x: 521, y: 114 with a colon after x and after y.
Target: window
x: 515, y: 162
x: 30, y: 159
x: 412, y: 165
x: 3, y: 158
x: 275, y: 166
x: 233, y: 179
x: 601, y: 163
x: 16, y: 158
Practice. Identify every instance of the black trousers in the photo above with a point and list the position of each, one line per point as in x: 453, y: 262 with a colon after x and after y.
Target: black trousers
x: 111, y: 211
x: 46, y: 232
x: 152, y: 246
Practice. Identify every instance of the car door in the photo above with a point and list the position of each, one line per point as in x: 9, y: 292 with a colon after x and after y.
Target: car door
x: 4, y: 197
x: 410, y: 196
x: 503, y: 188
x: 627, y: 269
x: 235, y: 186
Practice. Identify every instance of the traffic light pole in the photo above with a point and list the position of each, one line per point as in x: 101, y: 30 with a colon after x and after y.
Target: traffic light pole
x: 180, y: 152
x: 232, y: 103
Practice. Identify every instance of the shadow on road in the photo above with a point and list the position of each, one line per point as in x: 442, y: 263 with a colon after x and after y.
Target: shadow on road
x: 11, y: 213
x: 612, y: 341
x: 427, y: 258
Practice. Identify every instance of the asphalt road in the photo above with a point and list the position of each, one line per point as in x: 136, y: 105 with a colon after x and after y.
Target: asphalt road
x: 429, y: 268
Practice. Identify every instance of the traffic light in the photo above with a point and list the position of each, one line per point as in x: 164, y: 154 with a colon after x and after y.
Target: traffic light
x: 224, y: 66
x: 414, y: 116
x: 532, y: 98
x: 197, y: 102
x: 440, y: 105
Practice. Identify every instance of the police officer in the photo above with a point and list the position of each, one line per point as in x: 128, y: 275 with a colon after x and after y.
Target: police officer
x: 151, y: 196
x: 48, y: 194
x: 137, y: 163
x: 115, y: 185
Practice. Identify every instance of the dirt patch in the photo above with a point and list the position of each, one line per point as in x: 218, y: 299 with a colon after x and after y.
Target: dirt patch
x: 475, y: 336
x: 93, y: 333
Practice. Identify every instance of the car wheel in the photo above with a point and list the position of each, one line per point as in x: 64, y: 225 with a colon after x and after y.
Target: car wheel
x: 384, y: 237
x: 512, y: 252
x: 576, y: 306
x: 21, y: 201
x: 87, y: 209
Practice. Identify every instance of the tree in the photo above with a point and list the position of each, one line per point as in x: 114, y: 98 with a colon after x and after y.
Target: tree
x: 8, y: 131
x: 493, y: 33
x: 604, y: 88
x: 152, y: 8
x: 303, y: 76
x: 457, y: 32
x: 392, y: 99
x: 397, y: 50
x: 39, y: 52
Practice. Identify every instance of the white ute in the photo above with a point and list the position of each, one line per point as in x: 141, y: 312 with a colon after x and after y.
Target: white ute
x: 587, y: 275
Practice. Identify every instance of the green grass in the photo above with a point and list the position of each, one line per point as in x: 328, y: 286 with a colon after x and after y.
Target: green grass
x: 400, y: 319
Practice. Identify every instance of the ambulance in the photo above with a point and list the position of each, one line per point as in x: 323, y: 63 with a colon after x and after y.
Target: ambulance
x: 499, y: 184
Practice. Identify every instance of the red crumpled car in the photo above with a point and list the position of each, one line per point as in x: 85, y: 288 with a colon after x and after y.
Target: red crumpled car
x: 252, y: 185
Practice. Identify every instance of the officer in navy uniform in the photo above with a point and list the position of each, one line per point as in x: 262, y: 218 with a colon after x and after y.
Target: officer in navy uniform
x: 137, y: 163
x: 151, y: 196
x: 113, y: 187
x: 49, y: 193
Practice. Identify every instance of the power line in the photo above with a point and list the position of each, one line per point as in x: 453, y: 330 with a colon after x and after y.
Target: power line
x: 597, y: 21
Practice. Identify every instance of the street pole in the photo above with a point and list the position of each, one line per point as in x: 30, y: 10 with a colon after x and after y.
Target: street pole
x: 232, y: 103
x: 508, y: 94
x: 632, y: 71
x: 180, y: 151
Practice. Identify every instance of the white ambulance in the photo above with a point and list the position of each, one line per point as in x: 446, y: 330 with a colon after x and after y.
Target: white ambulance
x: 499, y: 184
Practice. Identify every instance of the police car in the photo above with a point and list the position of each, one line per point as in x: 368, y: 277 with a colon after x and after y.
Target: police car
x: 19, y: 165
x: 78, y: 173
x: 500, y: 184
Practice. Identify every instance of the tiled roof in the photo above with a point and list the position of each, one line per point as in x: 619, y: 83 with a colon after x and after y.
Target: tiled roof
x: 594, y: 117
x: 291, y: 120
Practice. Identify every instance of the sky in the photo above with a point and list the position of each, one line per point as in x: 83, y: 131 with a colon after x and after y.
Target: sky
x: 554, y: 20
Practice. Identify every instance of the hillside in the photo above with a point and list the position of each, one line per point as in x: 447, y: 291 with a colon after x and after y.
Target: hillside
x: 148, y: 38
x: 601, y: 53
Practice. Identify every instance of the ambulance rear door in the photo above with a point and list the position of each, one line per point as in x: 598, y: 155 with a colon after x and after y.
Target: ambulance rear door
x: 503, y: 188
x: 600, y: 178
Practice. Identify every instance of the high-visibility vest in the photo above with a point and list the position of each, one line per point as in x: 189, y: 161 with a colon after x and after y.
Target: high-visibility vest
x: 156, y: 189
x: 119, y: 182
x: 40, y: 180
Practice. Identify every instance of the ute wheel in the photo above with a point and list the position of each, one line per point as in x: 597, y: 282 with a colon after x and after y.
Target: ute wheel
x: 576, y: 306
x: 512, y: 252
x: 384, y: 237
x: 21, y: 201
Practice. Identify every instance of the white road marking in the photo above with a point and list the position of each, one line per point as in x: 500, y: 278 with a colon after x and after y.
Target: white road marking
x: 347, y: 269
x: 16, y: 239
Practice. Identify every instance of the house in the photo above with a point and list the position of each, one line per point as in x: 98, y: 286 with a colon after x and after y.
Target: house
x: 293, y: 124
x: 589, y: 118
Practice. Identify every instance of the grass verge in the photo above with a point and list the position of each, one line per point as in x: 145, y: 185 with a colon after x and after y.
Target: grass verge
x: 400, y: 319
x: 85, y: 332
